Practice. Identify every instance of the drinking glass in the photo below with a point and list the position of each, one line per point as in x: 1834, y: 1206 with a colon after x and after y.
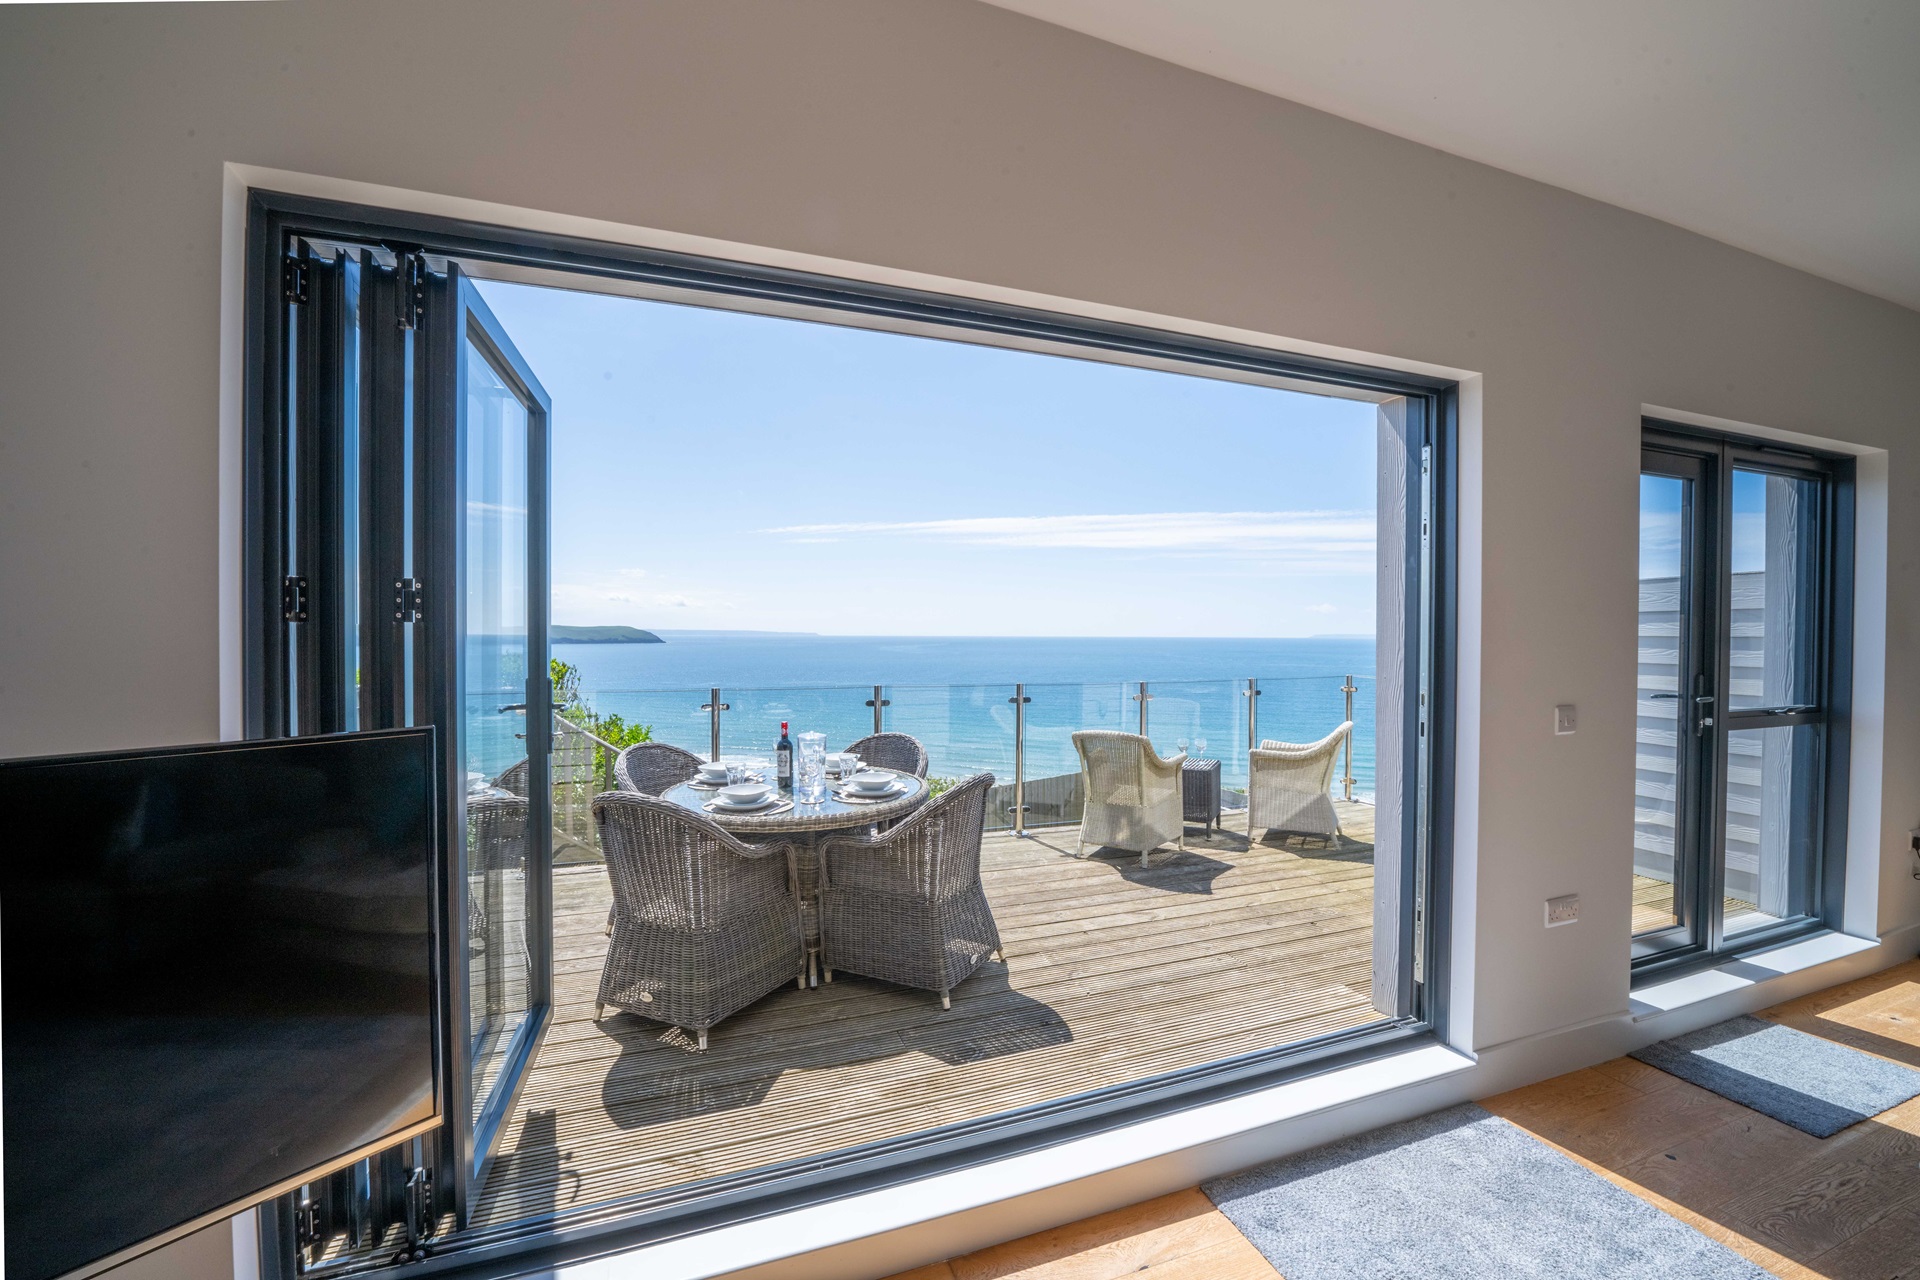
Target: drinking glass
x: 1200, y: 747
x: 810, y: 767
x: 736, y: 772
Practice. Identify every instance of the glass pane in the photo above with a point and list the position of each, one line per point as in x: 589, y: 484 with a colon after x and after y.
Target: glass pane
x: 1772, y: 815
x: 966, y: 729
x: 1056, y: 713
x: 1659, y: 727
x: 1775, y: 545
x: 494, y: 584
x: 752, y: 726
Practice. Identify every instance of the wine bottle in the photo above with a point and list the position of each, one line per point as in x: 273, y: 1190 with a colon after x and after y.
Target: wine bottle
x: 783, y: 759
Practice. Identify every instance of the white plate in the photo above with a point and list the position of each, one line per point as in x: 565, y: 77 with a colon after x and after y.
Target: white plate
x: 721, y: 802
x: 857, y: 783
x: 895, y: 788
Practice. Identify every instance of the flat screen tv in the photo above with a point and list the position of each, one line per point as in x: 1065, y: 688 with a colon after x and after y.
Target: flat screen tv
x: 217, y: 981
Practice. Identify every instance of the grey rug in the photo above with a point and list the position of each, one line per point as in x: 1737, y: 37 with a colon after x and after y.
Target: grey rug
x: 1459, y: 1195
x: 1815, y: 1085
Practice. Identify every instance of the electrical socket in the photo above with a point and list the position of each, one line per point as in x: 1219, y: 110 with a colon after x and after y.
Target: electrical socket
x: 1563, y: 720
x: 1563, y: 910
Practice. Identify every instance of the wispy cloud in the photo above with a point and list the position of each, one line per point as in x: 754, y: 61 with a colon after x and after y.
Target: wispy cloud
x: 1340, y: 540
x: 1321, y: 608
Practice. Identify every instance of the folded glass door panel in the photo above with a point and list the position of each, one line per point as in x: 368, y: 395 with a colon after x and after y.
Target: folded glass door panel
x: 483, y: 676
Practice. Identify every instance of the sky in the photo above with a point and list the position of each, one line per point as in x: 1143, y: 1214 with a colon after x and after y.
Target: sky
x: 1660, y: 532
x: 721, y: 470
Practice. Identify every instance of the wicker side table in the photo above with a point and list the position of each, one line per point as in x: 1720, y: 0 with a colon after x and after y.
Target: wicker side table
x: 1200, y: 792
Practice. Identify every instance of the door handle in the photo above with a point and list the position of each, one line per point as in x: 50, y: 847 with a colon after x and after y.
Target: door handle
x: 1700, y: 706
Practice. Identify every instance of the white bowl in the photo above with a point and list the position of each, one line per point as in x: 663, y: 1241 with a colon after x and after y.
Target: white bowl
x: 870, y: 781
x: 743, y: 795
x: 713, y: 773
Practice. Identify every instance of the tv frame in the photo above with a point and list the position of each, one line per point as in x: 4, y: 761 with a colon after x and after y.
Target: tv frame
x: 436, y: 856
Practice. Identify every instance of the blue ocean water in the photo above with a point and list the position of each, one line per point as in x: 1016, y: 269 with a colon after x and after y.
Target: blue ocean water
x: 953, y: 693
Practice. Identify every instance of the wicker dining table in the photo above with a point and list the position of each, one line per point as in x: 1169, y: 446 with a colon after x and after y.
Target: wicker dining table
x: 804, y: 823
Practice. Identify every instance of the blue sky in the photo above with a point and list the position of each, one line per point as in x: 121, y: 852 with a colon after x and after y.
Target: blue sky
x: 714, y: 469
x: 1660, y: 499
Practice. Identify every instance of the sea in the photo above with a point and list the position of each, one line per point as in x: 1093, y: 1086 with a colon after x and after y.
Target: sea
x: 955, y: 693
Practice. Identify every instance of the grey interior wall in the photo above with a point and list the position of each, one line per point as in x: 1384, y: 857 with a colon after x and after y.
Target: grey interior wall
x: 941, y: 136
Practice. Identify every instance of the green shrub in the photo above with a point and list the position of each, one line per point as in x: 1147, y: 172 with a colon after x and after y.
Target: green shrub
x: 610, y: 729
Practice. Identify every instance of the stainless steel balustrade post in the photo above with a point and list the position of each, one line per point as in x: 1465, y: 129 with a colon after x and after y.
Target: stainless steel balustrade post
x: 1020, y: 701
x: 713, y: 707
x: 879, y: 705
x: 1143, y: 697
x: 1252, y: 694
x: 1346, y: 782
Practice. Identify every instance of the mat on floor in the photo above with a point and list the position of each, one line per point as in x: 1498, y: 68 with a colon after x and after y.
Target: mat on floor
x: 1459, y: 1195
x: 1815, y: 1085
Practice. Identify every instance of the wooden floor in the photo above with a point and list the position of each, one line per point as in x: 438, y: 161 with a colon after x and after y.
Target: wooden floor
x: 1112, y: 973
x: 1842, y: 1208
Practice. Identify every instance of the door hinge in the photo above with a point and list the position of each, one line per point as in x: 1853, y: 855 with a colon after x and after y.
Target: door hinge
x: 420, y: 1219
x: 294, y: 274
x: 293, y: 598
x: 306, y: 1222
x: 406, y: 600
x: 412, y: 269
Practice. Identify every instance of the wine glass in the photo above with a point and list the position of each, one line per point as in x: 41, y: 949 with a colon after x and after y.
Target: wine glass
x: 1199, y: 746
x: 1182, y: 744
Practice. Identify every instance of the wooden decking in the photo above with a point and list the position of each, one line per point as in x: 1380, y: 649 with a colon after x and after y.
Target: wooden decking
x: 1113, y: 973
x: 1653, y: 907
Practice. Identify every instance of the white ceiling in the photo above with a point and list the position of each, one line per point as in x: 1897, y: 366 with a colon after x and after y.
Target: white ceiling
x: 1787, y: 127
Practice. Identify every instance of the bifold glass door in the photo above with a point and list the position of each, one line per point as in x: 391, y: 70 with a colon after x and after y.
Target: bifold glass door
x: 489, y: 682
x: 415, y: 592
x: 1741, y: 685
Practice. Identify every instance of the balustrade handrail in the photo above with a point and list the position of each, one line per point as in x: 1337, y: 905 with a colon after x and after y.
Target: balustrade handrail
x: 574, y: 726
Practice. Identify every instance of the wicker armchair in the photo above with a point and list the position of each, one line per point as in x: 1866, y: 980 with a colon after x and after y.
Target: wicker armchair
x: 704, y: 925
x: 908, y: 906
x: 514, y: 780
x: 1132, y: 796
x: 898, y: 751
x: 1288, y: 785
x: 654, y: 768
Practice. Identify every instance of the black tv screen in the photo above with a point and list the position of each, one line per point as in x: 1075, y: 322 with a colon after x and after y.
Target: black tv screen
x: 217, y: 980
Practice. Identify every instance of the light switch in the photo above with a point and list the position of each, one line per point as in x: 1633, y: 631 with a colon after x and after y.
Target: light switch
x: 1563, y: 718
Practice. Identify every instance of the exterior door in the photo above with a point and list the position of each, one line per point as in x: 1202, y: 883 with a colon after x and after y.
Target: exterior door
x: 1740, y: 733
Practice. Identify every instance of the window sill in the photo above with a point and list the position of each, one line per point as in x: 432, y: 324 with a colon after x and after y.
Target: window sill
x: 1666, y: 995
x: 1180, y: 1137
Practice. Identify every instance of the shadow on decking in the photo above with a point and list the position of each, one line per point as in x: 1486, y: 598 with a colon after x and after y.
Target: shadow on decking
x: 659, y: 1076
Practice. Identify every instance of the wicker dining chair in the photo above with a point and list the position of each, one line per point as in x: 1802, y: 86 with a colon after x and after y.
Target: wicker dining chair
x: 1130, y: 796
x: 496, y: 847
x: 908, y: 906
x: 1288, y: 786
x: 654, y: 768
x: 514, y: 780
x: 901, y: 752
x: 703, y: 925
